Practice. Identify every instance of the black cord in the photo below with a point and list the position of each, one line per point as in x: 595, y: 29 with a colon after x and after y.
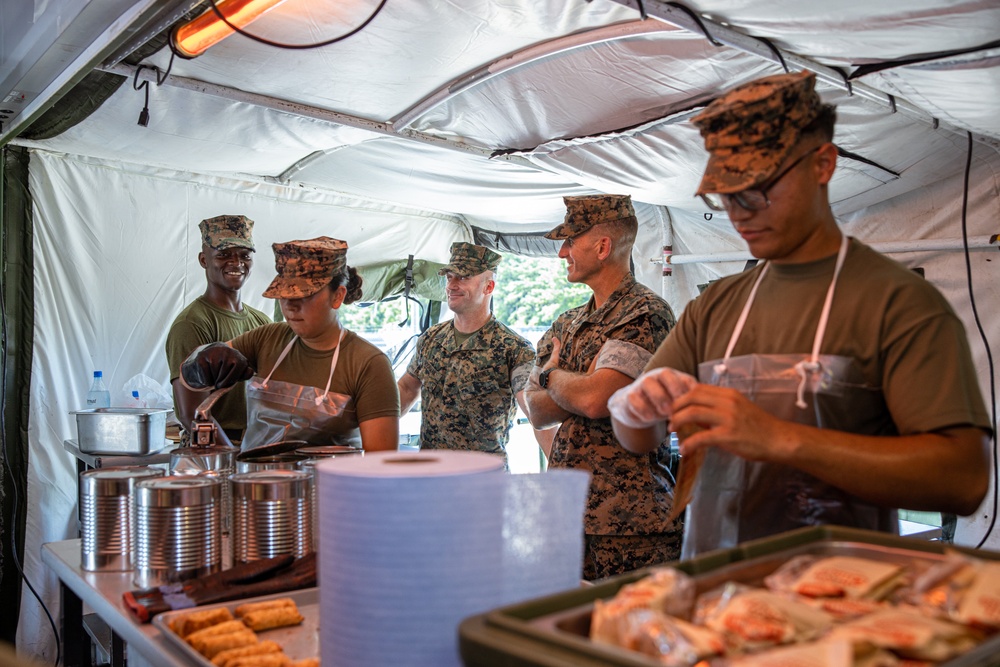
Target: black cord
x: 847, y: 80
x: 775, y: 51
x: 6, y: 455
x: 982, y: 334
x: 280, y: 45
x: 697, y: 19
x: 907, y: 61
x: 136, y: 85
x: 642, y: 10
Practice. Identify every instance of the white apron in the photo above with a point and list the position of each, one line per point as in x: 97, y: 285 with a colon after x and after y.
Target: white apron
x: 737, y: 500
x: 278, y: 411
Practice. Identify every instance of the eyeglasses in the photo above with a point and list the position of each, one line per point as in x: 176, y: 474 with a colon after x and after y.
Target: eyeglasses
x: 754, y: 199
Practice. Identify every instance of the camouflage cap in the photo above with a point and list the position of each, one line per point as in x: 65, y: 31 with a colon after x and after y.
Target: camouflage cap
x: 305, y: 267
x: 751, y: 130
x: 227, y: 231
x: 585, y: 211
x: 470, y: 260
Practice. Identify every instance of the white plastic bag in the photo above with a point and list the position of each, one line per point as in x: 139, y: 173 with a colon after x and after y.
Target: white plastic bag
x: 152, y: 392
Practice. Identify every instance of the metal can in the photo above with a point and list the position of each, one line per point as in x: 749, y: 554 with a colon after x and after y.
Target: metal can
x: 178, y: 529
x: 272, y: 514
x: 107, y: 517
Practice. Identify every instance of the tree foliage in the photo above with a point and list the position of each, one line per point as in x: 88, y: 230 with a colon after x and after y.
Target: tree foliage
x: 531, y: 292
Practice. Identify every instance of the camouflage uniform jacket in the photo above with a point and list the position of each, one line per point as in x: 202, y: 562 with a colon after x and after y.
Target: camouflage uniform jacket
x: 468, y: 390
x: 629, y: 494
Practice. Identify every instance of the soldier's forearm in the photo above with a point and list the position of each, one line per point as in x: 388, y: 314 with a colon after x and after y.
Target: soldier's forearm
x: 543, y: 412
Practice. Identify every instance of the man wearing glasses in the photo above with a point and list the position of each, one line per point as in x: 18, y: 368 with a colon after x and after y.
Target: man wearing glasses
x: 833, y: 384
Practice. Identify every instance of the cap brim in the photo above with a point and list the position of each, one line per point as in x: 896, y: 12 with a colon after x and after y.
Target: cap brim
x: 465, y: 273
x: 560, y: 233
x: 294, y: 288
x: 234, y: 243
x: 730, y: 171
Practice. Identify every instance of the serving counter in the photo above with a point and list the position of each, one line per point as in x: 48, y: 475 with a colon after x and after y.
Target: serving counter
x: 101, y: 592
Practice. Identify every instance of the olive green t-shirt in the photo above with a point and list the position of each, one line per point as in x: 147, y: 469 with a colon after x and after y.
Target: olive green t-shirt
x: 201, y: 323
x: 363, y: 371
x: 900, y: 330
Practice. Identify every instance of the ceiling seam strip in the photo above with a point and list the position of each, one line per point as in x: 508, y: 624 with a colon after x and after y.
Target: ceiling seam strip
x: 518, y: 59
x: 663, y: 11
x: 258, y: 179
x: 306, y: 111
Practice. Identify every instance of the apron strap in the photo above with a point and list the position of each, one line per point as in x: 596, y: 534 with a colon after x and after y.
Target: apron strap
x: 281, y: 357
x: 806, y: 368
x: 333, y: 367
x: 738, y: 329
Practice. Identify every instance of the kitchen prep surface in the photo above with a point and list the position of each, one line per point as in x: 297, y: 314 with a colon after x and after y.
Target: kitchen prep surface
x: 298, y: 642
x: 554, y: 631
x: 101, y: 593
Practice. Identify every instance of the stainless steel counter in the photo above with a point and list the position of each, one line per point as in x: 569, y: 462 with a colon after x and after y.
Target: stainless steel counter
x: 101, y: 592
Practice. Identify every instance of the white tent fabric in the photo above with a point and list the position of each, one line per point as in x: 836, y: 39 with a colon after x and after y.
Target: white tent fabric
x: 385, y: 139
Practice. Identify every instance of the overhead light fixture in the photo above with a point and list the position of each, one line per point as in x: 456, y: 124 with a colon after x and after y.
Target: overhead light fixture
x: 194, y: 37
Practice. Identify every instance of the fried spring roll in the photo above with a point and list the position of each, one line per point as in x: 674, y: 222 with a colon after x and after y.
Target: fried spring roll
x: 218, y: 629
x: 306, y: 662
x: 260, y: 648
x: 186, y: 624
x: 267, y: 604
x: 275, y: 617
x: 266, y: 660
x: 214, y: 645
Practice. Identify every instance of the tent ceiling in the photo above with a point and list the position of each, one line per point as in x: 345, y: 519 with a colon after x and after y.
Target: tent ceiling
x: 577, y: 95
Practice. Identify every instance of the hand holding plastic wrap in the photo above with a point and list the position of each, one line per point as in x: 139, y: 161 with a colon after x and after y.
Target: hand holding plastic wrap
x: 650, y: 398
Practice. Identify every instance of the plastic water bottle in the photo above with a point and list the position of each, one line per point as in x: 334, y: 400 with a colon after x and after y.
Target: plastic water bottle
x: 135, y: 401
x: 98, y: 396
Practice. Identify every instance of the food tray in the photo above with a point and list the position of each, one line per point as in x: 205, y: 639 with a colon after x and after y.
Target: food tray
x: 134, y: 431
x: 297, y: 641
x: 554, y: 631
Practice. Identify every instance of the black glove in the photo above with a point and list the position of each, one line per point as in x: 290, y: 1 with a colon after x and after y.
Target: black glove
x: 215, y: 365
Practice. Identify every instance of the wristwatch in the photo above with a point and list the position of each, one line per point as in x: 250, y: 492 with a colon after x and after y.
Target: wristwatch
x: 543, y: 377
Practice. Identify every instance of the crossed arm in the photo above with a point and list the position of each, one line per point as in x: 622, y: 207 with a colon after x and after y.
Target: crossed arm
x: 570, y: 393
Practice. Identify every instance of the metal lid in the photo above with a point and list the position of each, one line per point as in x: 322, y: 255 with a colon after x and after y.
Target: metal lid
x: 271, y: 484
x: 193, y: 460
x: 280, y: 447
x: 114, y: 481
x: 327, y: 451
x: 177, y: 491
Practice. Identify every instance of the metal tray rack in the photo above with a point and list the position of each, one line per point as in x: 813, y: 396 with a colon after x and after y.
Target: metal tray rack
x: 554, y: 631
x: 298, y: 641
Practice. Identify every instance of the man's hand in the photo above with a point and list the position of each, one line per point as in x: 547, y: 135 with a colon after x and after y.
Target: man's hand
x: 730, y: 421
x: 216, y: 365
x: 650, y: 399
x: 553, y: 360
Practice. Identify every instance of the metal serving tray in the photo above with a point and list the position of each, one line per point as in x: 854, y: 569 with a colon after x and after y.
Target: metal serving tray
x: 133, y: 431
x: 554, y: 631
x: 298, y: 641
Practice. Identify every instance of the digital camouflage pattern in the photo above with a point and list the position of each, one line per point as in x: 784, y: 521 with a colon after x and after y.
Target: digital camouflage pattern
x: 629, y: 494
x: 470, y: 260
x: 227, y: 231
x: 305, y: 267
x: 608, y: 555
x: 468, y: 389
x: 585, y: 211
x: 751, y: 130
